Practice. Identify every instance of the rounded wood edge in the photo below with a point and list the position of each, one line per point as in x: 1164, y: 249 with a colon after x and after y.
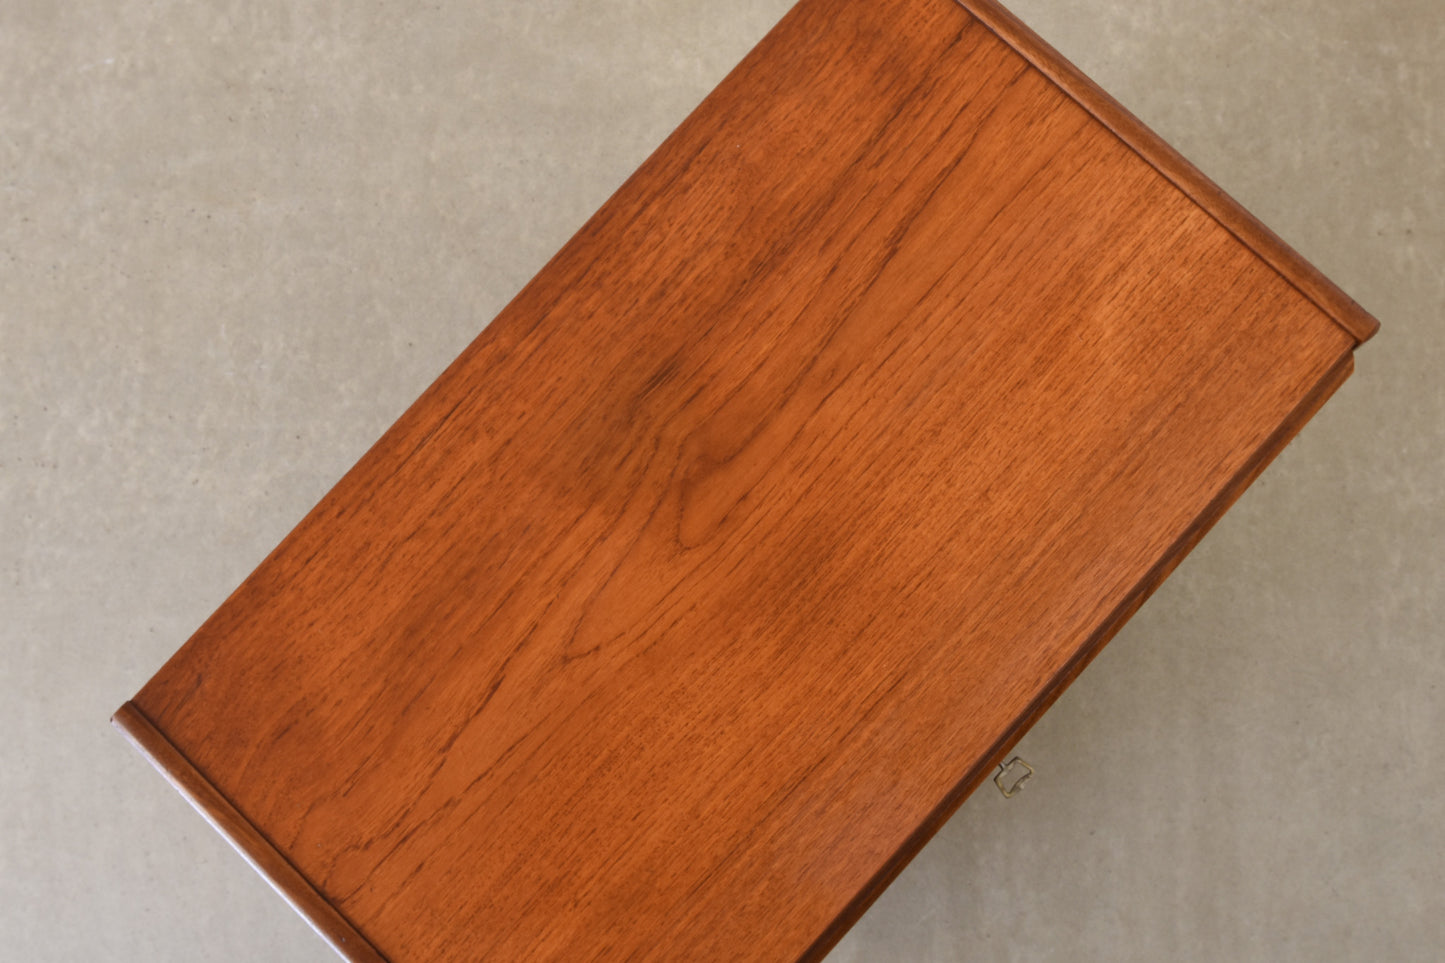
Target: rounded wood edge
x: 264, y: 857
x: 1231, y: 215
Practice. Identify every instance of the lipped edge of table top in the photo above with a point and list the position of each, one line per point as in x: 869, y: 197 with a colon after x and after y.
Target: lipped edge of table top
x: 1231, y: 215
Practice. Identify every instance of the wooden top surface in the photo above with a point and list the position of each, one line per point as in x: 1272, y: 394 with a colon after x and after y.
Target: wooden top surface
x: 696, y: 593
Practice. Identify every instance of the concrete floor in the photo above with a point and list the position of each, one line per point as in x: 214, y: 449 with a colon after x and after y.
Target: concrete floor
x: 237, y: 238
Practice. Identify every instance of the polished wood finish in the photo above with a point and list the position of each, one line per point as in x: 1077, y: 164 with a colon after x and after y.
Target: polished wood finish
x: 695, y: 595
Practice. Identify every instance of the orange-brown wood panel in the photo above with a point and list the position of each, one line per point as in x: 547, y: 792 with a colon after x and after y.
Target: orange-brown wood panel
x: 694, y: 595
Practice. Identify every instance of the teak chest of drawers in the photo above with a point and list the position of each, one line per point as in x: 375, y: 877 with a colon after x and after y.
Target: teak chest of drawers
x: 700, y: 590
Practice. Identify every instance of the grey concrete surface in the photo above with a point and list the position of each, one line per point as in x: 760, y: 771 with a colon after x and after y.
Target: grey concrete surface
x: 236, y: 239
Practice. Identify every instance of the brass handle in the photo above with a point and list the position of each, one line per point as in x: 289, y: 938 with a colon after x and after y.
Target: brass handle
x: 1011, y: 777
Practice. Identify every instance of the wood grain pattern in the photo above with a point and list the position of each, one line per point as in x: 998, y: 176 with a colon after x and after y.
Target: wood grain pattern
x: 701, y: 588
